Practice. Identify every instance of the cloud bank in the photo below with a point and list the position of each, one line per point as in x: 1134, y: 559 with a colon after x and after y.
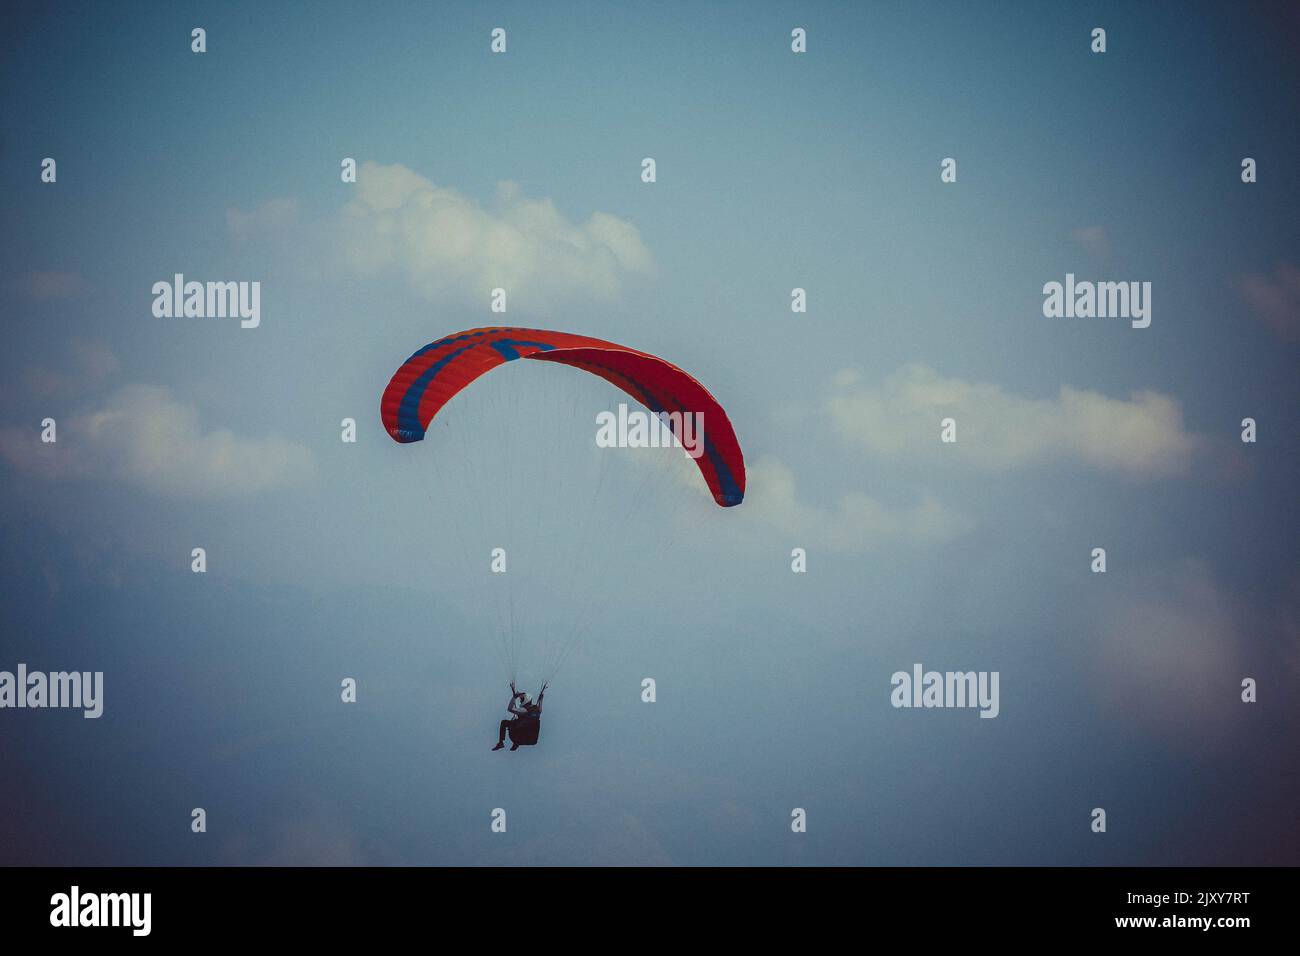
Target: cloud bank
x: 997, y: 431
x: 144, y: 437
x: 856, y: 522
x: 448, y: 246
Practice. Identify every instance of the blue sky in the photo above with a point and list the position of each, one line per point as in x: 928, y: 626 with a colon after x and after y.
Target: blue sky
x: 775, y: 171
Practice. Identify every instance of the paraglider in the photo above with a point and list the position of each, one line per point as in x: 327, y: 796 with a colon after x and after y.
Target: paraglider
x: 693, y: 419
x: 435, y: 373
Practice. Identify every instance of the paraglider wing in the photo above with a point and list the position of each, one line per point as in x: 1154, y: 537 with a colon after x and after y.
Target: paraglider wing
x: 435, y: 373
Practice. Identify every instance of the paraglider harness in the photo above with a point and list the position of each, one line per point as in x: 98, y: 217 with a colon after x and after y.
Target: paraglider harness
x: 527, y: 723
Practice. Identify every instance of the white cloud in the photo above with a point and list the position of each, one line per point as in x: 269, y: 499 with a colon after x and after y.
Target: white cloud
x: 1275, y: 299
x: 449, y: 246
x: 856, y: 522
x: 141, y: 435
x: 997, y: 431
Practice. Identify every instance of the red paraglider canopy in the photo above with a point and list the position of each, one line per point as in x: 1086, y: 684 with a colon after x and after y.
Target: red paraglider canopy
x: 435, y: 373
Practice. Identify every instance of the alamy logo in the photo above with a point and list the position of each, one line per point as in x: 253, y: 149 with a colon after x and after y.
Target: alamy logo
x: 638, y: 429
x: 922, y: 688
x: 58, y: 689
x: 1102, y: 300
x: 208, y: 300
x: 102, y: 909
